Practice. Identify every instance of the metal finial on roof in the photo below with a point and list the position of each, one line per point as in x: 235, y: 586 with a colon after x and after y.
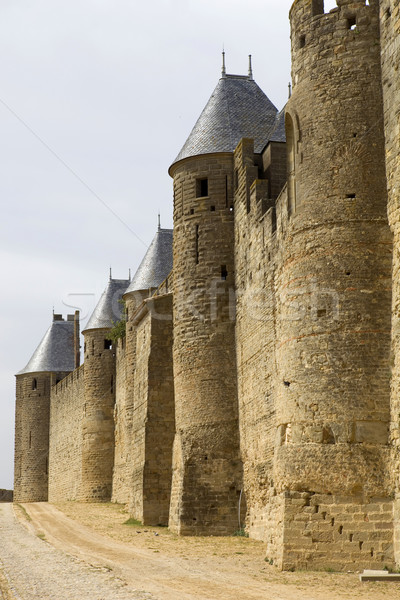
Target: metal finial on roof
x: 290, y: 89
x: 130, y: 277
x: 223, y: 64
x: 159, y: 221
x: 110, y: 273
x: 250, y: 68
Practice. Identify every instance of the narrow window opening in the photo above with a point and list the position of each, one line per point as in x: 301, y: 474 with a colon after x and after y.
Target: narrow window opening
x: 341, y: 529
x: 348, y: 273
x: 332, y: 522
x: 286, y: 383
x: 224, y: 273
x: 201, y: 188
x: 92, y: 346
x: 47, y: 466
x: 317, y: 7
x: 34, y: 384
x: 351, y: 537
x: 197, y: 245
x: 302, y: 41
x: 355, y: 135
x: 351, y: 196
x: 321, y: 312
x: 192, y: 211
x: 324, y: 516
x: 84, y: 347
x: 212, y: 208
x: 30, y: 439
x: 316, y: 509
x: 58, y: 381
x: 388, y: 13
x: 352, y: 23
x: 107, y: 344
x: 360, y: 545
x: 112, y: 384
x: 372, y: 552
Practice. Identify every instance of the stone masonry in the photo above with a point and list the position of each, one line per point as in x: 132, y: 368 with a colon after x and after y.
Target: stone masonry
x: 255, y: 381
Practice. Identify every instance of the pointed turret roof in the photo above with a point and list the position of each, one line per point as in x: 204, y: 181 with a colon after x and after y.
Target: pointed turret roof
x: 109, y: 308
x: 237, y: 108
x: 156, y: 264
x: 55, y: 352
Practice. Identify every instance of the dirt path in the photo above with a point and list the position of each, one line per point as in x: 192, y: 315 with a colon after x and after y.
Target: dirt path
x: 172, y: 568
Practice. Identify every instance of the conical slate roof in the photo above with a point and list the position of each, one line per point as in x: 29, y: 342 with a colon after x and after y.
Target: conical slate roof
x: 237, y: 108
x: 55, y: 352
x: 279, y: 134
x: 109, y: 308
x: 156, y: 264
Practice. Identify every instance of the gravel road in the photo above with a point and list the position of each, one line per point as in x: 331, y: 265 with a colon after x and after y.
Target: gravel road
x: 35, y: 570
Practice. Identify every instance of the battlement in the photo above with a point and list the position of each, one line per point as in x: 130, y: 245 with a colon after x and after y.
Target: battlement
x: 344, y: 35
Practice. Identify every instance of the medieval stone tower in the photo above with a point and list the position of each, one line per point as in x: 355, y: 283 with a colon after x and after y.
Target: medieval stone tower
x: 54, y: 358
x: 255, y: 377
x: 100, y: 383
x: 333, y: 281
x: 390, y: 48
x: 207, y: 473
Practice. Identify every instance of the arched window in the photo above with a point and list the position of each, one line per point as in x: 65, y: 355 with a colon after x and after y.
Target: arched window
x: 34, y: 384
x: 291, y: 162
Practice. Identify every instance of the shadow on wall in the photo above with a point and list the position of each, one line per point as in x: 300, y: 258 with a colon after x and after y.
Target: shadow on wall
x: 6, y: 495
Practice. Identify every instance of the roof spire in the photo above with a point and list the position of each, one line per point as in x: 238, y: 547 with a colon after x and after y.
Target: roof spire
x: 223, y: 64
x: 250, y: 68
x: 110, y: 273
x: 290, y: 89
x: 159, y: 221
x: 130, y: 276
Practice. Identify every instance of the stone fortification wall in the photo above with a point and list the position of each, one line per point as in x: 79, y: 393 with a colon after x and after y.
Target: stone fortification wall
x: 260, y: 223
x: 32, y: 416
x: 153, y: 420
x: 323, y: 531
x: 390, y: 47
x: 122, y: 456
x: 67, y: 406
x: 207, y: 477
x: 98, y: 417
x: 125, y: 392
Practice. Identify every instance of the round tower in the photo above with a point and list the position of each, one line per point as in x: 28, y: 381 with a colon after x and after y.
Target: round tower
x: 152, y: 271
x: 207, y: 471
x: 390, y: 31
x: 100, y: 383
x: 334, y: 280
x: 53, y: 359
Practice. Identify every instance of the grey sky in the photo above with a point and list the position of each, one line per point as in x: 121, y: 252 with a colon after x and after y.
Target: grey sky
x: 113, y: 87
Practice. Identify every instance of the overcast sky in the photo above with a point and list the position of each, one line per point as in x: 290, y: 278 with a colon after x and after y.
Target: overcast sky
x: 96, y: 99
